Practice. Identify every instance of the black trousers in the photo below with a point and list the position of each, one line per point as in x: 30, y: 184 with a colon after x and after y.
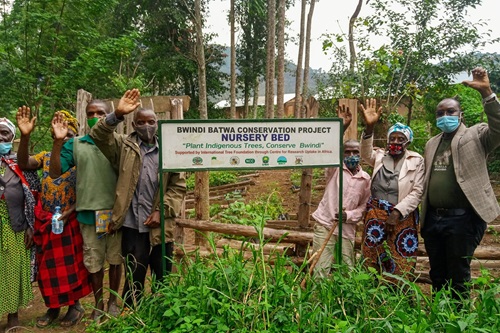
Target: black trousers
x: 450, y: 242
x: 138, y: 256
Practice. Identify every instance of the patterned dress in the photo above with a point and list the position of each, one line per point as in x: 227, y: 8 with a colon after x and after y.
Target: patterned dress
x: 394, y: 252
x: 15, y: 283
x: 60, y: 255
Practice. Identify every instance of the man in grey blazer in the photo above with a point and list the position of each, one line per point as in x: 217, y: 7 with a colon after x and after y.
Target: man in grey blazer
x: 458, y: 198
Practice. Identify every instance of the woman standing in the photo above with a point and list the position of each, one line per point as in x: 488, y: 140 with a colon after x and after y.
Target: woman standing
x: 60, y: 255
x: 390, y: 236
x: 16, y: 233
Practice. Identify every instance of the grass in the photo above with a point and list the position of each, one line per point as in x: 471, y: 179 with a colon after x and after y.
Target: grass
x: 229, y: 293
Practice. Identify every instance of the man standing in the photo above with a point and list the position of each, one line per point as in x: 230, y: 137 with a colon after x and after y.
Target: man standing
x: 137, y: 207
x: 95, y: 195
x: 458, y: 199
x: 356, y: 192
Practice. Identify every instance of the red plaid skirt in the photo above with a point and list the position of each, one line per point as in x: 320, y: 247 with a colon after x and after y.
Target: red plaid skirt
x: 62, y: 276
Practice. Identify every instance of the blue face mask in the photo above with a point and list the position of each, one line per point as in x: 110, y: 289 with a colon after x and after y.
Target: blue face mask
x: 351, y: 162
x: 5, y: 147
x: 448, y: 124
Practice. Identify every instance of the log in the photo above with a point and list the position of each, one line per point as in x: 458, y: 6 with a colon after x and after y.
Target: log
x: 257, y: 174
x: 288, y: 224
x: 226, y: 186
x: 192, y: 250
x: 297, y: 237
x: 283, y: 248
x: 493, y: 229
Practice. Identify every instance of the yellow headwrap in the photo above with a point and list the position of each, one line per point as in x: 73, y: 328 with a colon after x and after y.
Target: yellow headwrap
x: 72, y: 122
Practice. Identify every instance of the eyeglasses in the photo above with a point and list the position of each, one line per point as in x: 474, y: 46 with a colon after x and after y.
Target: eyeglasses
x: 447, y: 112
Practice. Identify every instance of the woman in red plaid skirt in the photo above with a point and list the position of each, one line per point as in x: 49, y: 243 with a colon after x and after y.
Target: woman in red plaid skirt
x: 58, y: 255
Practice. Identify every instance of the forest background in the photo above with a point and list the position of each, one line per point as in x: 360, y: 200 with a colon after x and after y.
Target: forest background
x: 50, y: 49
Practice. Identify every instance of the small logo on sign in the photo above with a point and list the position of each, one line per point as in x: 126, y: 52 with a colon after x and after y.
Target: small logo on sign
x: 265, y: 160
x: 299, y: 160
x: 235, y: 160
x: 197, y: 160
x: 282, y: 160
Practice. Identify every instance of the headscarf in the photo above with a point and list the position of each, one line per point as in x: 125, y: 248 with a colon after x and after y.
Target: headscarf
x: 398, y: 127
x: 10, y: 126
x: 72, y: 122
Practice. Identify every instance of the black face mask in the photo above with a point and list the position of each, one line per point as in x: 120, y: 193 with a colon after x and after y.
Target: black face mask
x: 146, y: 132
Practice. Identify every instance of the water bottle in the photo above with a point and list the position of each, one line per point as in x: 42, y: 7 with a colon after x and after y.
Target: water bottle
x: 57, y: 225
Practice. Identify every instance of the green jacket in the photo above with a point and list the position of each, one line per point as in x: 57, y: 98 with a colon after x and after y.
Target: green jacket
x: 124, y: 154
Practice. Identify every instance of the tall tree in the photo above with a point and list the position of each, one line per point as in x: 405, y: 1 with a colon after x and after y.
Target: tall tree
x: 251, y: 50
x: 281, y: 59
x: 298, y: 72
x: 270, y: 61
x: 305, y: 87
x: 233, y: 60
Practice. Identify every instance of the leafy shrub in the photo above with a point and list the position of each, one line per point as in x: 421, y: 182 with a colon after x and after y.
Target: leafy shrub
x: 237, y: 292
x: 215, y: 178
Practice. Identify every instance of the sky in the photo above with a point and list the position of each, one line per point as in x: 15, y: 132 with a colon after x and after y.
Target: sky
x: 332, y: 16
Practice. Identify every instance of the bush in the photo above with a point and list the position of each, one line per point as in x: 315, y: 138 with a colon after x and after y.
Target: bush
x: 215, y: 178
x: 234, y: 292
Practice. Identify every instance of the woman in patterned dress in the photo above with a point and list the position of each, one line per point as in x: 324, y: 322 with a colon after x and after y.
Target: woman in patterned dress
x: 57, y: 255
x: 16, y: 231
x: 390, y: 237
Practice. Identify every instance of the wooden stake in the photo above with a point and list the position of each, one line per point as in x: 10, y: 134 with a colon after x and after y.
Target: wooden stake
x: 315, y: 257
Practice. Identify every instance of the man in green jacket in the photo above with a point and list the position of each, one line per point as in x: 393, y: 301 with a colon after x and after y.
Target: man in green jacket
x: 137, y: 205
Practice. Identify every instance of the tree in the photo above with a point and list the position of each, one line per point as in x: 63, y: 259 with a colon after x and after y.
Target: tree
x: 426, y: 47
x: 251, y: 52
x: 305, y: 86
x: 233, y: 60
x: 281, y: 58
x: 298, y: 72
x: 271, y: 28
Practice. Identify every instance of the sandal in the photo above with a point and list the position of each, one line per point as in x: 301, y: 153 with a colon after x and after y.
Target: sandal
x: 72, y: 317
x: 47, y: 318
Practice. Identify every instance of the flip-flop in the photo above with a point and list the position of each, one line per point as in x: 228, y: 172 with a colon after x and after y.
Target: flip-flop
x: 46, y: 319
x: 72, y: 322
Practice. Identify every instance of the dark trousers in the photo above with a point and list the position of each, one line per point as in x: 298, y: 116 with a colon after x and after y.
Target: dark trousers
x: 450, y: 242
x: 138, y: 256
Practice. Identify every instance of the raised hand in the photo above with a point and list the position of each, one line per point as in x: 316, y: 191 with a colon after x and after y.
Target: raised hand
x: 25, y: 124
x: 344, y: 113
x: 370, y: 113
x: 480, y: 82
x: 60, y: 126
x: 128, y: 103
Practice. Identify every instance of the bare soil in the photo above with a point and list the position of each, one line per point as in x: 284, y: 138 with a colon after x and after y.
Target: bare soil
x: 267, y: 182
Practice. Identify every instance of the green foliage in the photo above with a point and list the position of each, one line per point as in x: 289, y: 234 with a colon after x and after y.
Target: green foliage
x: 415, y: 60
x: 215, y: 178
x: 296, y: 176
x: 232, y: 292
x: 265, y: 207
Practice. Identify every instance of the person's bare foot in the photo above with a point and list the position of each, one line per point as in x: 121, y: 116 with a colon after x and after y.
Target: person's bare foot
x: 12, y: 323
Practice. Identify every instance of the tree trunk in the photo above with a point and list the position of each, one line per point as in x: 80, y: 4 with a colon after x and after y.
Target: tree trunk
x: 281, y: 59
x: 352, y: 49
x: 298, y: 73
x: 255, y: 97
x: 233, y: 62
x: 271, y: 28
x: 305, y: 88
x: 201, y: 184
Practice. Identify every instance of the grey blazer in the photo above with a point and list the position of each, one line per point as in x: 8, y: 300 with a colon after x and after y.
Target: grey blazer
x: 470, y: 148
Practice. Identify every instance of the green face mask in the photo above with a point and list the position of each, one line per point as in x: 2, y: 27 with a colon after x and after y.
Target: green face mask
x: 92, y: 121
